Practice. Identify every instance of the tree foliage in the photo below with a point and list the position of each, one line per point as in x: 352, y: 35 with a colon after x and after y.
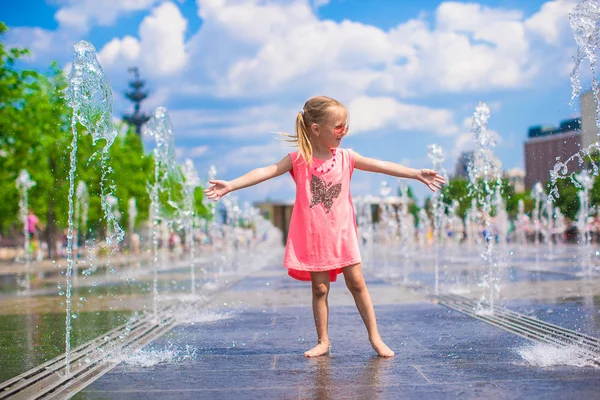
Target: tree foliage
x: 35, y: 134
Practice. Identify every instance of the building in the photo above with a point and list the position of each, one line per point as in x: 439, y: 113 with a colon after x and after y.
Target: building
x: 279, y: 213
x: 516, y: 177
x: 545, y: 144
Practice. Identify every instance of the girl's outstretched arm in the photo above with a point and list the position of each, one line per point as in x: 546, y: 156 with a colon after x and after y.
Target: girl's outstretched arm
x: 429, y: 177
x: 258, y: 175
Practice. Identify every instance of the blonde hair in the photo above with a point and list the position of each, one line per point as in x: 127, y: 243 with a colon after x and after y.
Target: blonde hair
x: 315, y: 111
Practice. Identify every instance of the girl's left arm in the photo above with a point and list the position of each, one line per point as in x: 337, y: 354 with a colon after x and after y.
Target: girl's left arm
x: 429, y: 177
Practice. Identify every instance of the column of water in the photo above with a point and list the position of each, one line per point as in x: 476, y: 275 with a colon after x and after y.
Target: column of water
x: 404, y: 227
x: 165, y: 173
x: 89, y: 94
x: 436, y: 154
x: 81, y: 211
x: 586, y: 184
x: 192, y: 181
x: 484, y: 180
x: 537, y: 193
x: 24, y: 183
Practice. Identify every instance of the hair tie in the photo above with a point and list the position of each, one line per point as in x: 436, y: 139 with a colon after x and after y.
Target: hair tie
x: 301, y: 111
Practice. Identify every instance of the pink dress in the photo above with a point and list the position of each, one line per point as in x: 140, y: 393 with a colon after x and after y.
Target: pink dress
x: 322, y: 234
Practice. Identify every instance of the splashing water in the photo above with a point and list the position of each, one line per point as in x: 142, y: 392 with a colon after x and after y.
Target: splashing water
x: 81, y: 209
x: 90, y: 96
x: 545, y: 355
x: 406, y: 227
x: 585, y: 24
x: 192, y: 181
x: 151, y: 357
x: 484, y: 180
x: 537, y: 192
x: 587, y: 182
x: 584, y: 19
x: 212, y: 175
x: 24, y: 183
x: 436, y: 154
x: 189, y: 315
x: 165, y: 174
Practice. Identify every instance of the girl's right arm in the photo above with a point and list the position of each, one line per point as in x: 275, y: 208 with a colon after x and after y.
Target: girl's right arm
x: 258, y: 175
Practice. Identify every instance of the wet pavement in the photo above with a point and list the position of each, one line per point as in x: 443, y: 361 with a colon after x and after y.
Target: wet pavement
x: 255, y: 351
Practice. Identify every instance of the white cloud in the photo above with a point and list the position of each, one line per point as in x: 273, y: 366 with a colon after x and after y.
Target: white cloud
x: 259, y: 49
x: 269, y: 48
x: 124, y: 50
x: 376, y: 113
x: 43, y: 44
x: 160, y: 51
x: 81, y: 15
x: 550, y: 23
x: 162, y: 36
x: 320, y: 3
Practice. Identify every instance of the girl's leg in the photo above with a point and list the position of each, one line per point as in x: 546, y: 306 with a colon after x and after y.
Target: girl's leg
x: 320, y: 291
x: 356, y: 284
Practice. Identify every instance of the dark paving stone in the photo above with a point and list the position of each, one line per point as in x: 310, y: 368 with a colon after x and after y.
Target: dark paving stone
x: 257, y: 353
x: 246, y: 394
x: 453, y: 372
x: 475, y: 390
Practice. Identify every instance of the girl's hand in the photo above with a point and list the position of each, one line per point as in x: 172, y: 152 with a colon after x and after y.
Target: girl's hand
x: 431, y: 179
x: 217, y: 190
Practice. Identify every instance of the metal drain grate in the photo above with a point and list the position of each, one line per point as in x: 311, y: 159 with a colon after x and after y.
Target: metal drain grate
x: 514, y: 322
x: 88, y: 362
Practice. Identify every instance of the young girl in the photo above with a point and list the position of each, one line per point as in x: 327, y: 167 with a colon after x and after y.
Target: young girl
x: 322, y: 240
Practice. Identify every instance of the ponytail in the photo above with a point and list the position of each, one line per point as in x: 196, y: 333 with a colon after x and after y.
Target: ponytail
x: 303, y: 139
x: 315, y: 111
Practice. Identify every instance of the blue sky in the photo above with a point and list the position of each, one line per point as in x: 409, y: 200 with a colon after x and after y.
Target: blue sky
x: 231, y: 72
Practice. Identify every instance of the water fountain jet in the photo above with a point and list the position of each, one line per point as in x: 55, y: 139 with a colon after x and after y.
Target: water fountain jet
x: 89, y: 94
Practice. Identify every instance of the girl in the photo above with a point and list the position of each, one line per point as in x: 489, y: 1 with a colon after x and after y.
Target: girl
x: 322, y: 240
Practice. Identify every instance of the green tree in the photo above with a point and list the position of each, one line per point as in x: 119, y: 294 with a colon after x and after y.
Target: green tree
x: 457, y: 189
x: 35, y: 134
x: 568, y: 202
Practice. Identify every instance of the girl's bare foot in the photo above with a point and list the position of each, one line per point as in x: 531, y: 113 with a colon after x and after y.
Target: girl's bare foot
x: 320, y: 349
x: 381, y: 348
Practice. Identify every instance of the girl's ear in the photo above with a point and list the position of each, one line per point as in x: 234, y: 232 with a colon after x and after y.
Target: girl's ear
x: 315, y: 129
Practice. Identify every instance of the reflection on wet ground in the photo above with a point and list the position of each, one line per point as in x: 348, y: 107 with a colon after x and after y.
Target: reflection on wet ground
x: 258, y: 353
x: 557, y: 289
x: 28, y: 340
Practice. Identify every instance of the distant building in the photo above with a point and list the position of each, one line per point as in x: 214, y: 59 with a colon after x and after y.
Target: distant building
x: 279, y: 213
x: 462, y: 164
x: 545, y: 144
x: 516, y: 177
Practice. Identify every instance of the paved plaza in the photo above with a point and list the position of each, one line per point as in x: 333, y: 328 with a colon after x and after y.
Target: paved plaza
x: 254, y: 351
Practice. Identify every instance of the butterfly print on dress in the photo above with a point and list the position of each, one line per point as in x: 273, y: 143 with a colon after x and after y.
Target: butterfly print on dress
x: 323, y: 192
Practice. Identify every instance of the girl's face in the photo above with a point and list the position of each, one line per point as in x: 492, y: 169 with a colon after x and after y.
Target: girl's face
x: 335, y: 128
